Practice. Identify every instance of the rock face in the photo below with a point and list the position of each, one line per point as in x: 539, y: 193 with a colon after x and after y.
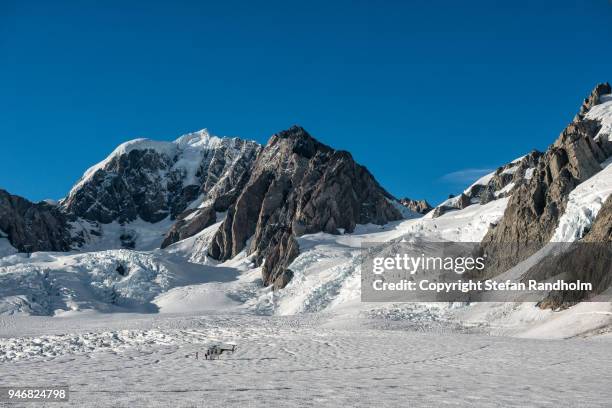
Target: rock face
x: 601, y: 230
x: 189, y: 223
x: 533, y: 211
x: 417, y: 206
x: 453, y: 203
x: 505, y: 179
x: 298, y: 186
x: 32, y: 227
x: 496, y: 185
x: 154, y: 180
x: 588, y: 260
x: 224, y: 181
x: 592, y: 100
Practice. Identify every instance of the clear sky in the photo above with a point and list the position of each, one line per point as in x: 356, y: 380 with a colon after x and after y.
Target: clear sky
x: 426, y: 94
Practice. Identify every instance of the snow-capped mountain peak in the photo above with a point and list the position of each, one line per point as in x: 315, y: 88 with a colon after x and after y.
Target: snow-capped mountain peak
x: 199, y: 139
x: 152, y: 180
x: 194, y: 142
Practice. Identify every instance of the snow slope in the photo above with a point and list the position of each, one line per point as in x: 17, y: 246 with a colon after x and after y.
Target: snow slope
x: 603, y: 113
x: 5, y: 246
x: 327, y: 271
x: 181, y: 278
x: 104, y: 281
x: 144, y: 236
x: 584, y: 203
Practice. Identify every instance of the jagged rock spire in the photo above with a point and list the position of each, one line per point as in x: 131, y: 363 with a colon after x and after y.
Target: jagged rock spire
x: 298, y: 186
x: 593, y: 99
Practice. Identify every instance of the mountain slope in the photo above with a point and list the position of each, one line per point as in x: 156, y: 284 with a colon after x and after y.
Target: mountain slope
x: 153, y: 180
x: 299, y: 186
x: 492, y: 186
x: 31, y: 227
x: 535, y: 208
x: 122, y: 201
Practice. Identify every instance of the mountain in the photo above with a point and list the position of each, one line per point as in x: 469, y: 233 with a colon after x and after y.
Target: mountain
x: 149, y: 194
x: 32, y: 227
x: 537, y: 205
x: 211, y: 224
x: 299, y: 186
x: 180, y: 182
x: 153, y: 180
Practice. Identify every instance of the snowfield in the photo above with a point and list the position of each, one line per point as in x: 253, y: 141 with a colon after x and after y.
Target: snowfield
x: 305, y: 360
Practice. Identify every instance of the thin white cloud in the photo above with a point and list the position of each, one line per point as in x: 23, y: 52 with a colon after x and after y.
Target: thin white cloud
x: 465, y: 176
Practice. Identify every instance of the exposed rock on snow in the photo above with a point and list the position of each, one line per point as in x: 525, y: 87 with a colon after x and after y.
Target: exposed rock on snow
x: 417, y: 206
x: 505, y: 179
x: 589, y: 260
x: 603, y: 114
x: 190, y: 223
x: 298, y: 186
x: 495, y: 185
x: 452, y: 203
x: 601, y: 230
x: 593, y: 99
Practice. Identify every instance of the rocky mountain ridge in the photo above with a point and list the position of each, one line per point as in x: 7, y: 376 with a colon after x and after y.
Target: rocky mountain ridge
x: 534, y: 209
x: 293, y: 186
x: 298, y: 186
x: 197, y: 176
x: 493, y: 186
x: 32, y: 227
x: 154, y: 180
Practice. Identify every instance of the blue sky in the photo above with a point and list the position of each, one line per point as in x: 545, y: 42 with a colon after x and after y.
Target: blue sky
x: 425, y: 94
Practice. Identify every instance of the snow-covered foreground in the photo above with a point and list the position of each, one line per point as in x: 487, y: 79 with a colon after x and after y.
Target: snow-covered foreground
x: 307, y: 360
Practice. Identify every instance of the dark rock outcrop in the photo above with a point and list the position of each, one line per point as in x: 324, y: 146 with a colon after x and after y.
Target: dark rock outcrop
x: 592, y: 100
x: 32, y: 227
x: 501, y: 184
x: 298, y: 186
x: 506, y: 179
x: 190, y: 223
x: 154, y: 180
x: 453, y: 203
x: 535, y: 207
x: 417, y: 206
